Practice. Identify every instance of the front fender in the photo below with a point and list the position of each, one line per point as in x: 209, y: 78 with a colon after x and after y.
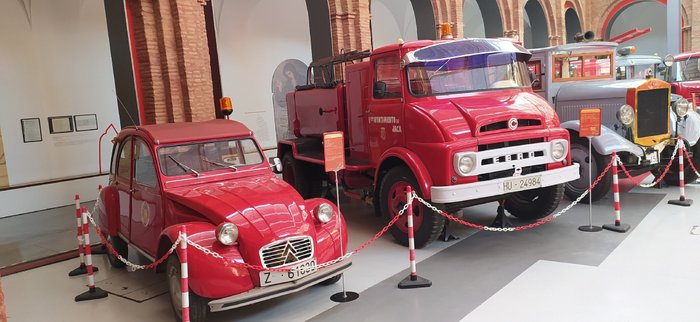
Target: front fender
x: 688, y: 128
x: 211, y: 277
x: 328, y: 234
x: 413, y: 162
x: 608, y: 141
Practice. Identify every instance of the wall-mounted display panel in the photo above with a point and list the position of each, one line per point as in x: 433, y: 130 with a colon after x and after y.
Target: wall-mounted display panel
x: 31, y: 130
x: 85, y: 122
x: 60, y: 124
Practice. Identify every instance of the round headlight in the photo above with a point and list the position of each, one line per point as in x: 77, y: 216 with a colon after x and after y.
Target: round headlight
x: 681, y: 107
x: 466, y: 164
x: 668, y: 60
x: 324, y: 212
x: 626, y: 115
x: 227, y: 233
x: 558, y: 150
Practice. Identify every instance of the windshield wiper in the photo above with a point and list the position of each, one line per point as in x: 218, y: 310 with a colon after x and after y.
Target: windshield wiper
x: 184, y: 167
x: 218, y: 164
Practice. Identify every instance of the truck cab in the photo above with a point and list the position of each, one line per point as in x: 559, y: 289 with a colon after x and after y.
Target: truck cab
x: 456, y: 120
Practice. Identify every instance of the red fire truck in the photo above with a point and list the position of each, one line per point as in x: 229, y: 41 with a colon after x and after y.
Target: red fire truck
x: 457, y: 120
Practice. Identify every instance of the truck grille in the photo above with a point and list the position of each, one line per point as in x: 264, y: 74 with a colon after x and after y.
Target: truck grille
x: 498, y: 145
x: 509, y: 173
x: 652, y: 112
x: 288, y: 251
x: 504, y: 125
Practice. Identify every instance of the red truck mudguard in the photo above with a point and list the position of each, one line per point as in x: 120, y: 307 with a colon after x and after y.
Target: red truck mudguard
x: 412, y: 161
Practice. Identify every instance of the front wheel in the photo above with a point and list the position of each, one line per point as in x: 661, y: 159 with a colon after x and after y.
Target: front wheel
x: 596, y: 164
x: 122, y: 249
x: 427, y: 225
x: 198, y: 305
x: 689, y: 174
x: 536, y: 203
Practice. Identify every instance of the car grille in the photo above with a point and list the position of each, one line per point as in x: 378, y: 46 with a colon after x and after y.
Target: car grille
x: 288, y: 251
x: 652, y: 112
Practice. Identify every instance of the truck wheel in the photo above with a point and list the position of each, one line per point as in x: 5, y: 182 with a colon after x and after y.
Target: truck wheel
x: 198, y: 305
x: 579, y: 154
x: 536, y: 203
x: 304, y: 177
x: 332, y: 280
x: 122, y: 249
x: 427, y: 225
x: 689, y: 175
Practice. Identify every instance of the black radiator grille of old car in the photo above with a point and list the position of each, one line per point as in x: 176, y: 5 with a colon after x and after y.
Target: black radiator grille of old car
x: 652, y: 112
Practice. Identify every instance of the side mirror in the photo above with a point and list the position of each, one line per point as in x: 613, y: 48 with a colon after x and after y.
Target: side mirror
x: 379, y: 89
x: 276, y: 165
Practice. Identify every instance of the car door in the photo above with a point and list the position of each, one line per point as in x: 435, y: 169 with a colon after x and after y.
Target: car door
x: 385, y: 106
x: 146, y: 214
x: 122, y: 181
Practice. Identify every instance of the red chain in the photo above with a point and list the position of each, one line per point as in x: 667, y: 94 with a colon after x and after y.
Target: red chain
x: 636, y: 183
x: 377, y: 235
x: 116, y: 254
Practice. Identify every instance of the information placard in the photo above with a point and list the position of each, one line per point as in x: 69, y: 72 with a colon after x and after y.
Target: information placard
x: 333, y: 151
x: 590, y: 122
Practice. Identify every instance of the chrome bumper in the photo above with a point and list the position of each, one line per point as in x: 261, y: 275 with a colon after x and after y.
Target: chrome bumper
x: 259, y: 294
x: 483, y: 189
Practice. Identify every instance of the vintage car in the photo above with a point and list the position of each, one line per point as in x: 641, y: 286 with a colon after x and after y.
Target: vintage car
x: 211, y: 178
x: 629, y: 65
x: 638, y: 120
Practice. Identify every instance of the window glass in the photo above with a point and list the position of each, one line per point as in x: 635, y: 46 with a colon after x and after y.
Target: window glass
x: 208, y: 156
x: 144, y: 170
x: 534, y: 68
x: 124, y: 161
x: 583, y: 66
x: 387, y: 72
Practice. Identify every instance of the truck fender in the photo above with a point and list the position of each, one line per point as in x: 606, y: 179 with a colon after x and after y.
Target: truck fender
x: 108, y: 210
x: 411, y: 160
x: 608, y: 141
x: 688, y: 128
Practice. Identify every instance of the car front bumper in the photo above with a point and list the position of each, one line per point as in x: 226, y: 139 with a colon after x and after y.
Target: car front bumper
x: 259, y: 294
x: 483, y: 189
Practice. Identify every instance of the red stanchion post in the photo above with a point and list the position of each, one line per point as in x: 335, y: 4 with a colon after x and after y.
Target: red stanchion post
x: 618, y: 226
x: 82, y: 269
x: 682, y: 201
x: 412, y: 280
x: 93, y: 292
x: 184, y: 276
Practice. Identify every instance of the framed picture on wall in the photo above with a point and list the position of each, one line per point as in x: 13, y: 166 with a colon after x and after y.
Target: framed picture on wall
x: 85, y: 122
x: 60, y: 124
x: 31, y: 130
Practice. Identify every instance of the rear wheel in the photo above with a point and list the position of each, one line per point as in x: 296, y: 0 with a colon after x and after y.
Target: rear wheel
x: 306, y: 178
x: 198, y: 305
x: 536, y: 203
x: 598, y: 163
x: 122, y: 249
x: 427, y: 225
x: 689, y: 174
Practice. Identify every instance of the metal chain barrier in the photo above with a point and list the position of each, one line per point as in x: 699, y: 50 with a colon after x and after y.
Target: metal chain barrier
x: 657, y: 180
x: 519, y: 228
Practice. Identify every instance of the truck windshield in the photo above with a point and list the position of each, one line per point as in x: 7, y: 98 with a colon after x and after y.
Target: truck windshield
x: 202, y: 157
x: 466, y: 74
x: 684, y: 70
x: 640, y: 71
x: 570, y: 67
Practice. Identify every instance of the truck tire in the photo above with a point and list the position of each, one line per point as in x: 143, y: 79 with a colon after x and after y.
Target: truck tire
x: 306, y: 178
x: 198, y: 305
x: 536, y: 203
x: 427, y: 224
x: 122, y: 249
x: 689, y: 174
x: 579, y: 154
x: 332, y: 280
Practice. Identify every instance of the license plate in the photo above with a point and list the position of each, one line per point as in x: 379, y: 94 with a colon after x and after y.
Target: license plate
x: 296, y: 272
x: 653, y: 157
x: 519, y: 184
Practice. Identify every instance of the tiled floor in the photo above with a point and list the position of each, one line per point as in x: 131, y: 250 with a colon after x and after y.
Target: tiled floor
x: 550, y: 273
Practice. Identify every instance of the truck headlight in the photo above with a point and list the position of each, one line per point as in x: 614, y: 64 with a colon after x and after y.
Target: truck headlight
x: 681, y: 107
x: 558, y: 150
x: 464, y: 163
x: 324, y: 212
x: 626, y: 115
x: 227, y: 233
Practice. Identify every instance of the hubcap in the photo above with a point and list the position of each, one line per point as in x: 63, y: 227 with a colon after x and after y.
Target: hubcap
x: 397, y: 200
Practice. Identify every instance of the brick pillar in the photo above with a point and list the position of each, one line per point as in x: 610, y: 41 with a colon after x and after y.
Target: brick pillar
x: 170, y: 41
x: 350, y: 25
x: 3, y: 313
x: 450, y: 11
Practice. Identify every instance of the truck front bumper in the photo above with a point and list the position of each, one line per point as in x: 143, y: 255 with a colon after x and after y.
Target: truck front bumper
x: 259, y: 294
x: 495, y: 187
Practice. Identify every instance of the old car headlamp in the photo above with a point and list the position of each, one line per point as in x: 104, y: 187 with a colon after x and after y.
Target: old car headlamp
x: 668, y: 60
x: 464, y: 163
x: 324, y: 212
x: 227, y: 233
x: 558, y: 150
x: 681, y: 107
x: 626, y: 115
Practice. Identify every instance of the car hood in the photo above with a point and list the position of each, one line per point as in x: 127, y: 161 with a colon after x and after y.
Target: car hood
x: 469, y: 113
x: 596, y: 90
x: 264, y: 208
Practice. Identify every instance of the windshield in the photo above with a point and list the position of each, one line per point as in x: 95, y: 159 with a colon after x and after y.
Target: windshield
x: 465, y: 74
x: 202, y: 157
x: 568, y: 67
x: 684, y: 70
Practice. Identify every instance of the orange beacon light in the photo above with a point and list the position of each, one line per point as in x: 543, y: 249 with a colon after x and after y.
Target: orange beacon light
x: 226, y: 106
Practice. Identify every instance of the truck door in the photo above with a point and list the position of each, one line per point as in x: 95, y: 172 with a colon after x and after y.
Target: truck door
x: 122, y: 182
x: 385, y: 108
x: 356, y: 85
x: 146, y: 217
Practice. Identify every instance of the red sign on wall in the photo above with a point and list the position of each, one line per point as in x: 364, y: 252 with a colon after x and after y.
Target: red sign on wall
x: 590, y: 122
x: 333, y: 151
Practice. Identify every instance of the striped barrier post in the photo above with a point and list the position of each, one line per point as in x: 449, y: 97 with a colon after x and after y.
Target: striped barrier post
x: 682, y: 201
x: 82, y: 269
x: 184, y: 275
x: 617, y: 227
x: 93, y: 292
x: 412, y: 280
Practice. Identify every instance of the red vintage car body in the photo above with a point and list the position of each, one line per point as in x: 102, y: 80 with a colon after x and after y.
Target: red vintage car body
x: 689, y: 89
x: 263, y: 207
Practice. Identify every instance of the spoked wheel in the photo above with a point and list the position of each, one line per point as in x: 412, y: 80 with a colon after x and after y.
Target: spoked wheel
x: 198, y: 305
x: 427, y: 225
x: 579, y: 154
